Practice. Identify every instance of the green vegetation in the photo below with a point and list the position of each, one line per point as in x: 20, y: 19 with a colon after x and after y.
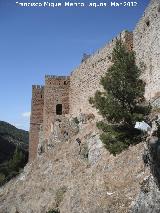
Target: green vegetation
x: 60, y: 194
x: 13, y: 151
x: 122, y: 102
x: 7, y: 129
x: 84, y: 151
x: 53, y: 211
x: 75, y: 120
x: 158, y: 130
x: 11, y: 168
x: 59, y: 197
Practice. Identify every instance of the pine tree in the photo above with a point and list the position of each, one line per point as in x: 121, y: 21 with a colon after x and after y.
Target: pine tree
x: 121, y: 103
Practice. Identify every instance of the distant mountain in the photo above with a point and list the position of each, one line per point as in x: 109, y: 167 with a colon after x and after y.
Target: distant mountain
x: 13, y: 151
x: 10, y: 137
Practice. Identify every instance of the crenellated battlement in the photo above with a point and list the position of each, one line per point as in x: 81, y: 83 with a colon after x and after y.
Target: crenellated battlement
x: 56, y: 77
x: 63, y: 95
x: 84, y: 80
x: 102, y: 53
x: 37, y: 87
x: 60, y: 82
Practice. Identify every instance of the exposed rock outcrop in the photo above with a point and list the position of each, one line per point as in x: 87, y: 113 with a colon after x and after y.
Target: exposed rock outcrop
x: 148, y: 199
x: 77, y: 178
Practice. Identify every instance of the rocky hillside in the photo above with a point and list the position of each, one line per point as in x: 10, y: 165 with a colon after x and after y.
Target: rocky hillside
x: 77, y: 179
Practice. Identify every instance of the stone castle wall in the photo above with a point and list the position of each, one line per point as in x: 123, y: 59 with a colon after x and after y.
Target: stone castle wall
x: 146, y: 39
x: 73, y: 92
x: 56, y: 92
x: 84, y: 80
x: 36, y: 119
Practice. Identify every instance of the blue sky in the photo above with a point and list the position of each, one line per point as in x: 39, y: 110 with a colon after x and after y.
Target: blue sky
x: 45, y: 40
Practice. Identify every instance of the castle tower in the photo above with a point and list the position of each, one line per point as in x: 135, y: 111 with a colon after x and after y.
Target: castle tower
x: 56, y: 100
x: 36, y: 119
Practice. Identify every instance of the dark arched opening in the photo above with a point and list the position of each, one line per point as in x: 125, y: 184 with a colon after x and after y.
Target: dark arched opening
x: 59, y: 109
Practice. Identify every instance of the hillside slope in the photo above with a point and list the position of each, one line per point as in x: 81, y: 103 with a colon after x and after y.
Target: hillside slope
x: 10, y: 137
x: 13, y: 151
x: 75, y: 182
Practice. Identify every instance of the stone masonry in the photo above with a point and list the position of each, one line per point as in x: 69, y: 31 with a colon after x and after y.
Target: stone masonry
x: 56, y: 94
x: 64, y: 95
x: 85, y: 79
x: 49, y: 103
x: 36, y: 118
x: 146, y: 38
